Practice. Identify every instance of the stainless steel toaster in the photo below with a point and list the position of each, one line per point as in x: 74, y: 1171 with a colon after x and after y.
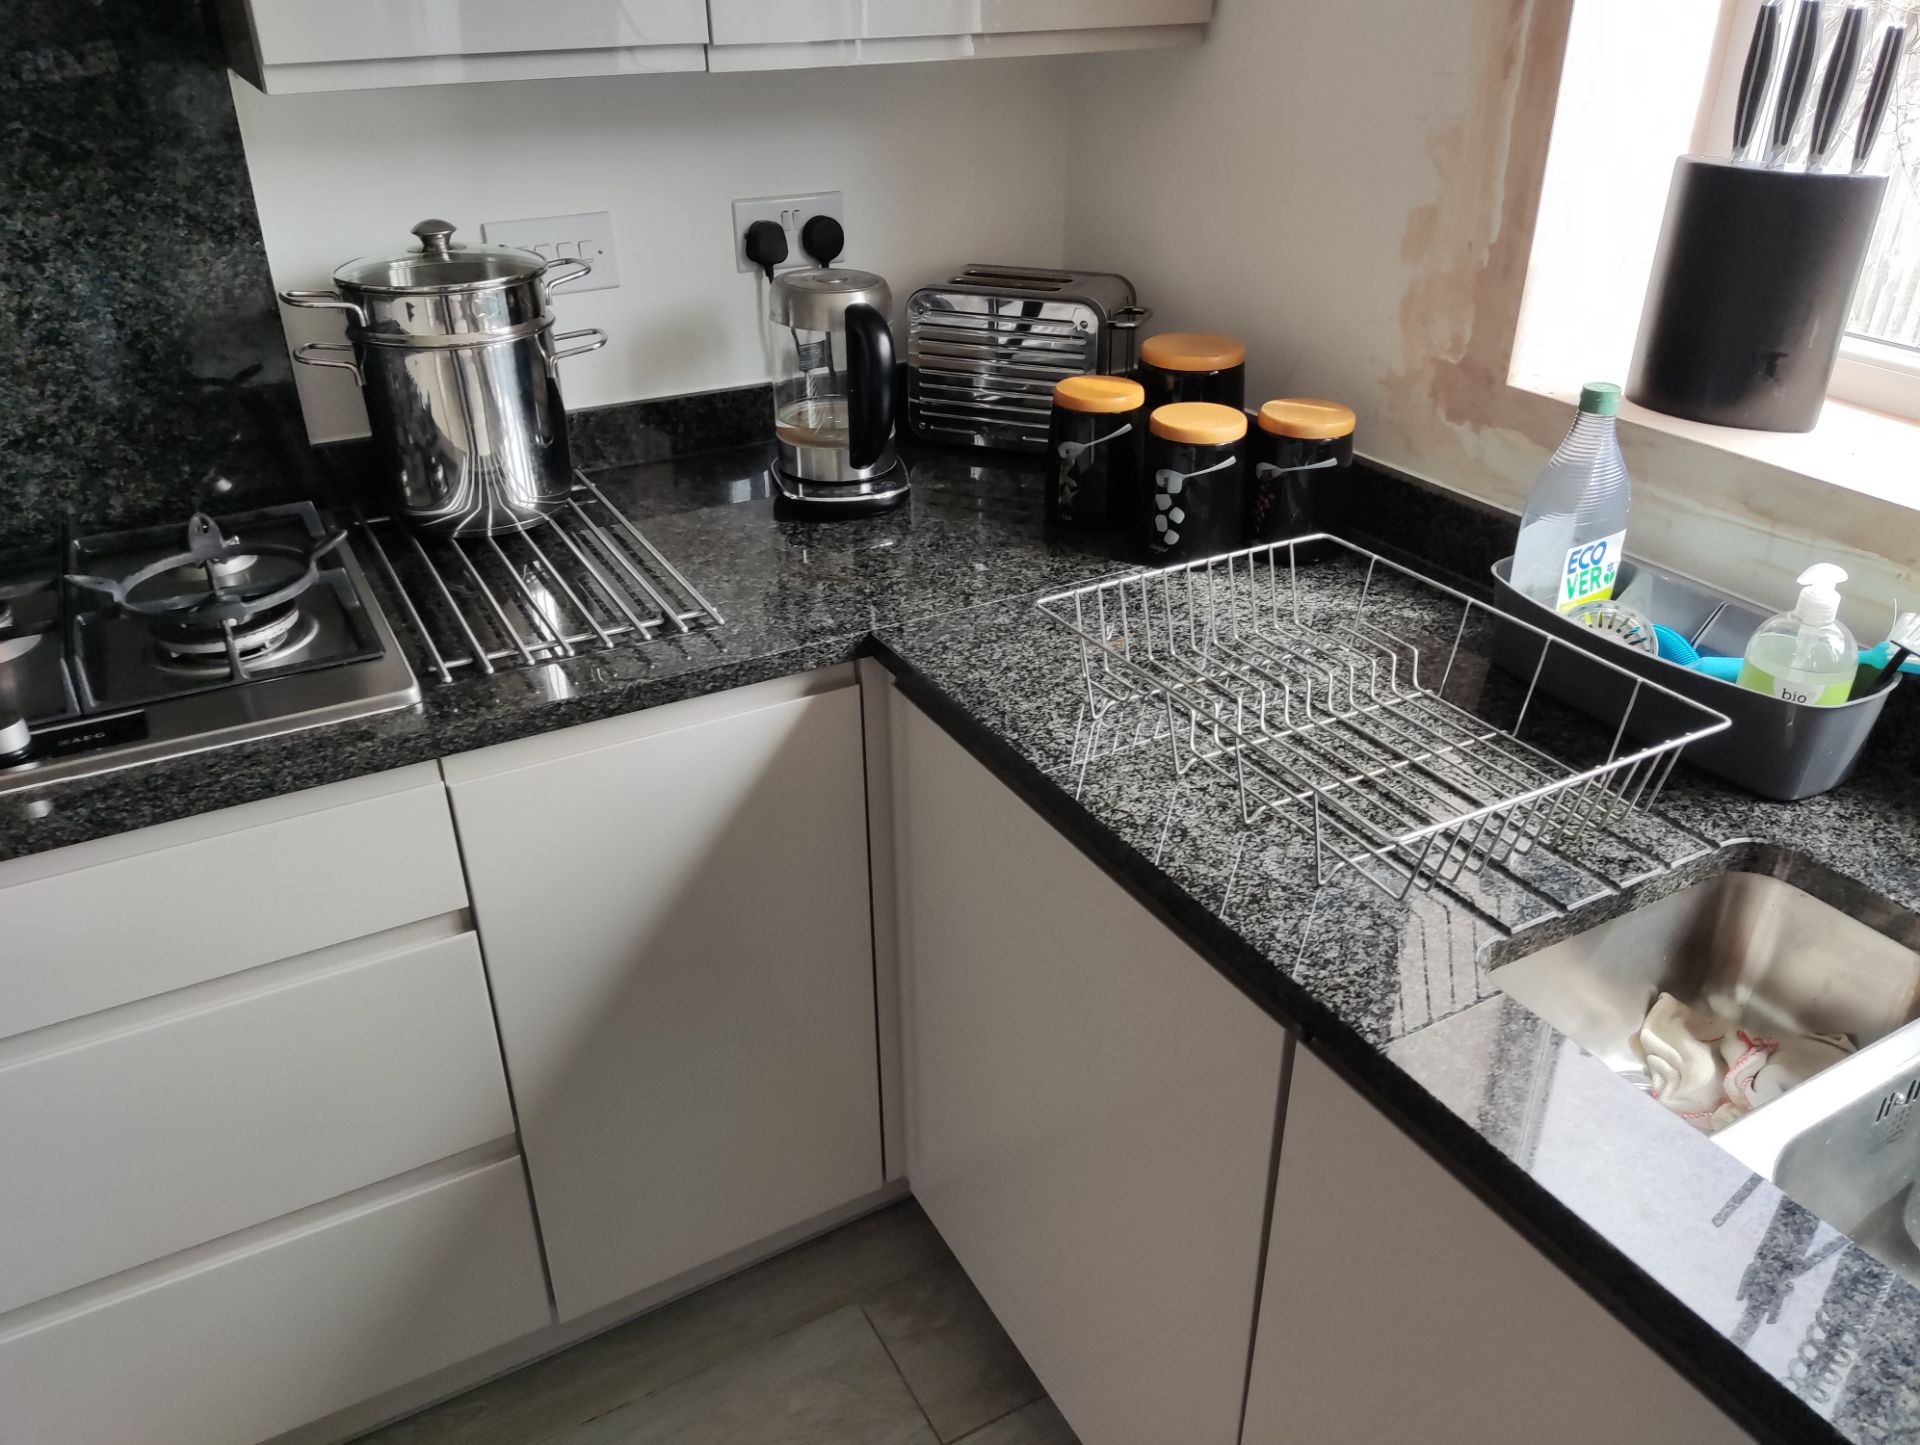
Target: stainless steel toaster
x: 985, y: 349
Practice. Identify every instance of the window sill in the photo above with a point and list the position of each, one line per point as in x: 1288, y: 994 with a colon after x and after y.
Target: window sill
x: 1857, y: 450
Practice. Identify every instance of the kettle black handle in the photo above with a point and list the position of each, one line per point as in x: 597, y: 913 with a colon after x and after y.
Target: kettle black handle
x: 869, y: 384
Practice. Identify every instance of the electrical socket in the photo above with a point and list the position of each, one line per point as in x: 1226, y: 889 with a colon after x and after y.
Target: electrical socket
x: 792, y: 214
x: 588, y: 236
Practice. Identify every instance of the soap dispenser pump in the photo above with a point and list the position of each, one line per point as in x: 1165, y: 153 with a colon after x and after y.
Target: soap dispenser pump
x: 1806, y: 655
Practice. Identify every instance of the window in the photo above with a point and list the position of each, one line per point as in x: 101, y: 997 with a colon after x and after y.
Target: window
x: 1880, y: 358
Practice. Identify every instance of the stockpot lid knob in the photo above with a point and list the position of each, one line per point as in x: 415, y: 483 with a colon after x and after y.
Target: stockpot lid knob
x: 436, y: 237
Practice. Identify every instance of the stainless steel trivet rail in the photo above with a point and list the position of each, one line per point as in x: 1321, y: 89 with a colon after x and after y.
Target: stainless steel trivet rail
x: 1303, y: 684
x: 581, y: 580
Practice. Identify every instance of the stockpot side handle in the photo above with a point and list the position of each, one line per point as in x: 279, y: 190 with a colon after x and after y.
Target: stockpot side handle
x: 313, y: 354
x: 553, y: 282
x: 599, y: 340
x: 325, y: 301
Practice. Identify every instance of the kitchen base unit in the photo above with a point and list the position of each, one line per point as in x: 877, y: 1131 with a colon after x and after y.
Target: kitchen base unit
x: 1398, y: 1306
x: 674, y: 912
x: 261, y: 1156
x: 1090, y: 1107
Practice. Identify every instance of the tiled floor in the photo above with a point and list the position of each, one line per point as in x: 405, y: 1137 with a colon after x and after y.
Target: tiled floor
x: 870, y: 1335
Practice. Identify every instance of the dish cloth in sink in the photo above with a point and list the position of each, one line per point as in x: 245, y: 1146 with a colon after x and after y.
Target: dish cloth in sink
x: 1711, y: 1071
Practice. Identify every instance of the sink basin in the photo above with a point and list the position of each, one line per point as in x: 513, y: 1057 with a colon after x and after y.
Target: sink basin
x: 1773, y: 957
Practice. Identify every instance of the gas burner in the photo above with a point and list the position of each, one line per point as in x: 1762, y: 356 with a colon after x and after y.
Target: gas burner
x: 158, y: 641
x: 194, y: 648
x: 210, y: 562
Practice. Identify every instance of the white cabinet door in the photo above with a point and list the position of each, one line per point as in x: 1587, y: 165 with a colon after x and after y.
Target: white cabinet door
x: 773, y: 34
x: 766, y: 22
x: 1399, y: 1307
x: 674, y: 913
x: 298, y: 45
x: 1090, y: 1107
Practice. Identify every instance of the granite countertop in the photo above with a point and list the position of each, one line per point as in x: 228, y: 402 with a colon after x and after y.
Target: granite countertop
x: 1798, y: 1332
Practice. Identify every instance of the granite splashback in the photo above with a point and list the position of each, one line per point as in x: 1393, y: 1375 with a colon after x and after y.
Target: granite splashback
x: 144, y: 358
x: 139, y: 338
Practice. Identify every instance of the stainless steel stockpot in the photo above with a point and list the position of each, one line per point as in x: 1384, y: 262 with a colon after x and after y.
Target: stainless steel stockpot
x: 455, y: 351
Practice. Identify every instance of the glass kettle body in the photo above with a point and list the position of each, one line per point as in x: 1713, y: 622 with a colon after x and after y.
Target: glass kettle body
x: 833, y: 363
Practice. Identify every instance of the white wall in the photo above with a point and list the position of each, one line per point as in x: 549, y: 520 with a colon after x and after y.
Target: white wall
x: 940, y: 164
x: 1263, y: 183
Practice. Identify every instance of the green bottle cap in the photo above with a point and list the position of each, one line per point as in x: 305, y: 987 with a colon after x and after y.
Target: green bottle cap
x: 1600, y: 398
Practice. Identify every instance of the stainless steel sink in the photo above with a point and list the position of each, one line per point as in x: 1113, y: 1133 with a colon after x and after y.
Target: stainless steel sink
x: 1759, y: 950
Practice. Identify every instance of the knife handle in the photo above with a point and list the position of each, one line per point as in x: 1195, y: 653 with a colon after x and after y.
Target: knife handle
x: 1754, y: 78
x: 1795, y: 79
x: 1886, y: 70
x: 1837, y: 85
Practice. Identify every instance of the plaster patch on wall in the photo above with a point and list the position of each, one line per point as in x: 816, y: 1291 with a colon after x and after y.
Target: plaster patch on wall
x: 1466, y: 251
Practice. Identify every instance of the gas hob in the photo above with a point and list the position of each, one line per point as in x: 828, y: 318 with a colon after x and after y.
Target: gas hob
x: 134, y: 646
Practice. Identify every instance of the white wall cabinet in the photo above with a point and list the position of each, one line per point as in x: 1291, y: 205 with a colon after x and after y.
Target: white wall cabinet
x: 1397, y: 1304
x: 303, y: 45
x: 1090, y: 1107
x: 674, y: 911
x: 288, y: 46
x: 784, y: 34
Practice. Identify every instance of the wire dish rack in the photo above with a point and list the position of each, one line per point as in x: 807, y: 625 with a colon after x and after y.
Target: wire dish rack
x: 583, y: 579
x: 1354, y: 698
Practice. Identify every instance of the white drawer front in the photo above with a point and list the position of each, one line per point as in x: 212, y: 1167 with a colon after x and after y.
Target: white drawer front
x: 131, y: 1145
x: 102, y: 924
x: 286, y: 1329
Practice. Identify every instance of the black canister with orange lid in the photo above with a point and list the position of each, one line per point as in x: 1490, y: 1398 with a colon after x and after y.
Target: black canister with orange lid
x: 1095, y: 438
x: 1197, y: 475
x: 1181, y: 366
x: 1298, y: 461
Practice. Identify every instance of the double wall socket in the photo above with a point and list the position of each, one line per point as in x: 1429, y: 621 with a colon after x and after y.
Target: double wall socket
x: 792, y: 213
x: 588, y: 237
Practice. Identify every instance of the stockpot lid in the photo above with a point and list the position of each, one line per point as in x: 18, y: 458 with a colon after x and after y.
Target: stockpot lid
x: 440, y: 266
x: 817, y: 300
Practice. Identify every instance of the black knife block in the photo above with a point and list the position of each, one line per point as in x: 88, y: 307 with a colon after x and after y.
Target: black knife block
x: 1750, y: 290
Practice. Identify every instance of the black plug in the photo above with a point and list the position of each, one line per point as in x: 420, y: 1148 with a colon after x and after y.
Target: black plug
x: 824, y: 239
x: 766, y: 245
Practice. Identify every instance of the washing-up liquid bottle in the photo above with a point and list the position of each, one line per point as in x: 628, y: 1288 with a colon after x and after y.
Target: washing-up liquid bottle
x: 1574, y: 532
x: 1806, y: 655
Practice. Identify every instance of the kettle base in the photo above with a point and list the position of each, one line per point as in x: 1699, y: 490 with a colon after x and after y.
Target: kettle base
x: 827, y: 501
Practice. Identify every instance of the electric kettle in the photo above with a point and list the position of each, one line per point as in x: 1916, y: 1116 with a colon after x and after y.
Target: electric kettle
x: 833, y: 392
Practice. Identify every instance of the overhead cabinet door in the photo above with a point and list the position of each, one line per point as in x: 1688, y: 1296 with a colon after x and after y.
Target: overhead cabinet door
x: 295, y: 45
x: 755, y: 34
x: 673, y: 908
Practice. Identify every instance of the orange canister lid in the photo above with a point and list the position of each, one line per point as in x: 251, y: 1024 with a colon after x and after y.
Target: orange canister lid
x: 1308, y: 418
x: 1198, y: 423
x: 1099, y: 394
x: 1192, y: 351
